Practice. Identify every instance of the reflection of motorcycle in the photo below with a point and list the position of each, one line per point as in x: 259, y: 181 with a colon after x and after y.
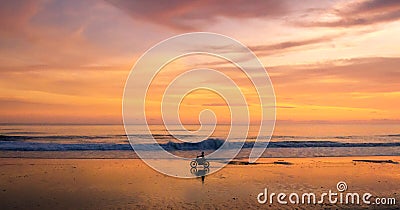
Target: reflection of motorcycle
x: 200, y: 161
x: 201, y: 172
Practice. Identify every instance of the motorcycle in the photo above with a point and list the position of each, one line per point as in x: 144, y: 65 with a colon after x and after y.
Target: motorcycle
x: 200, y: 161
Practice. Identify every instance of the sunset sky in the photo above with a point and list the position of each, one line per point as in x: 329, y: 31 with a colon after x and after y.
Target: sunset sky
x: 67, y: 61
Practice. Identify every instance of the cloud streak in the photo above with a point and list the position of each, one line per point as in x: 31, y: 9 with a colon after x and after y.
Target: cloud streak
x: 349, y: 14
x: 190, y: 15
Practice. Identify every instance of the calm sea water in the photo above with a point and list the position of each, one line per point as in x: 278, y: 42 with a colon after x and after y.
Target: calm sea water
x: 110, y: 141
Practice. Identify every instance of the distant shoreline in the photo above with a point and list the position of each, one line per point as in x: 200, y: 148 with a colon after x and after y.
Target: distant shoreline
x: 132, y: 155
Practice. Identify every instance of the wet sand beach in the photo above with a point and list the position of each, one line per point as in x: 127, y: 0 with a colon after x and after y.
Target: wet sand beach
x: 130, y: 184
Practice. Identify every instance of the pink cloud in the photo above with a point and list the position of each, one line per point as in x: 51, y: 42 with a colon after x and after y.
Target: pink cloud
x: 190, y: 15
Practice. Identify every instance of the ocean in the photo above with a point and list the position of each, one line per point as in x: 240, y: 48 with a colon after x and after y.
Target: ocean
x: 110, y: 141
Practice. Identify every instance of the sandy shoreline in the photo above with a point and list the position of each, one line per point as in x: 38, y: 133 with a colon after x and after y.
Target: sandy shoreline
x: 131, y: 184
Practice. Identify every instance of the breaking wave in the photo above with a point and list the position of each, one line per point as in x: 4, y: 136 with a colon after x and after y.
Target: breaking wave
x: 8, y: 143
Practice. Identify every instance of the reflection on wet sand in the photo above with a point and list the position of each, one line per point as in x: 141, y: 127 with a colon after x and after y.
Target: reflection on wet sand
x: 200, y: 173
